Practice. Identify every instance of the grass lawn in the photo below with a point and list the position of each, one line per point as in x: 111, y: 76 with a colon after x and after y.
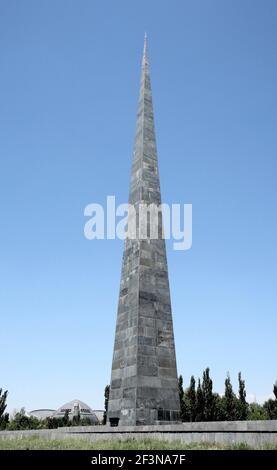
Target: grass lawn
x: 36, y: 443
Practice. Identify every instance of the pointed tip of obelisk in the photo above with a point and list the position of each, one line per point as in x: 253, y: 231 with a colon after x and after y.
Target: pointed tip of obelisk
x: 145, y: 47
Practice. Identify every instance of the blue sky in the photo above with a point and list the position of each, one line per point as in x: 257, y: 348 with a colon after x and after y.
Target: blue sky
x: 69, y: 83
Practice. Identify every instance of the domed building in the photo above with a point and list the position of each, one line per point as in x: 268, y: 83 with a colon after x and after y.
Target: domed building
x: 77, y: 408
x: 99, y: 414
x: 41, y: 413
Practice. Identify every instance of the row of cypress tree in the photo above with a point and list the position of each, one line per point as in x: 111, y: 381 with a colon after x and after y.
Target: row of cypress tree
x: 200, y: 403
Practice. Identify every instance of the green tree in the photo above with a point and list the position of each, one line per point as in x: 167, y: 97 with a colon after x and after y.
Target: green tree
x: 53, y: 423
x: 243, y: 405
x: 21, y: 421
x: 4, y: 417
x: 256, y: 412
x: 270, y: 406
x: 85, y: 421
x: 229, y: 402
x: 199, y: 408
x: 65, y: 418
x: 190, y: 400
x: 219, y: 414
x: 106, y: 403
x: 34, y: 423
x: 208, y: 396
x: 182, y: 398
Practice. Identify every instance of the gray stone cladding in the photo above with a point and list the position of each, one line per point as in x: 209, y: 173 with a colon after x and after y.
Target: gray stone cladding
x: 144, y: 384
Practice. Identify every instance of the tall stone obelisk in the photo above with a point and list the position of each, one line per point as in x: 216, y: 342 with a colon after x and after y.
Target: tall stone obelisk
x: 144, y: 384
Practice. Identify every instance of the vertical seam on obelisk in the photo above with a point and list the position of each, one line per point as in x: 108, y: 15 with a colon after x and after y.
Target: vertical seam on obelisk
x: 138, y: 234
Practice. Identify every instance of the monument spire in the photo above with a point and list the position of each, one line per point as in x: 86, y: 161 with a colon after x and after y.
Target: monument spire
x: 145, y: 47
x: 144, y: 383
x: 145, y: 141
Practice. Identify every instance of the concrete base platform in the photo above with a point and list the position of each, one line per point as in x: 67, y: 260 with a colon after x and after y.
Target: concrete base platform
x: 253, y: 433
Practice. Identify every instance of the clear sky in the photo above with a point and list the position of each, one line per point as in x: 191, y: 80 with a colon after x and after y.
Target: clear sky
x: 69, y: 81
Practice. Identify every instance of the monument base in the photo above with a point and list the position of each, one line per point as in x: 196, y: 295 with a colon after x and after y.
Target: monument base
x: 253, y: 433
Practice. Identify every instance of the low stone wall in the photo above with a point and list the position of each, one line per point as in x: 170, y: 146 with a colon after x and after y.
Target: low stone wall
x: 253, y: 433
